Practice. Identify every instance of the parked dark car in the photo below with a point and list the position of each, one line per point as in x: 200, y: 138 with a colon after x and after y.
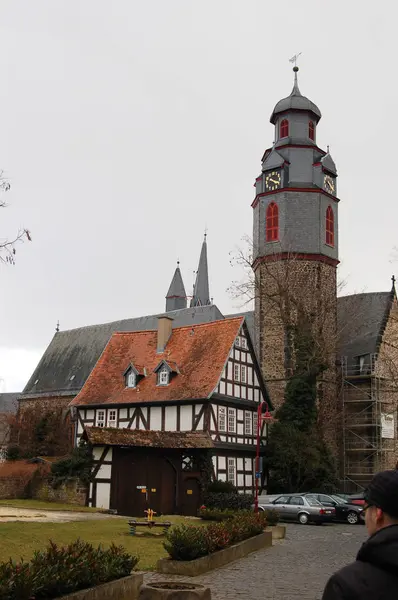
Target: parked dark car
x: 344, y: 511
x: 301, y: 508
x: 358, y: 499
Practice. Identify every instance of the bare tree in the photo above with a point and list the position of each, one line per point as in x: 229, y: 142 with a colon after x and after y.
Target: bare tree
x: 8, y: 246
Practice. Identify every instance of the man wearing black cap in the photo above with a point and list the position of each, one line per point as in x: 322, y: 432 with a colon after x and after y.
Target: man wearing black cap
x: 374, y: 574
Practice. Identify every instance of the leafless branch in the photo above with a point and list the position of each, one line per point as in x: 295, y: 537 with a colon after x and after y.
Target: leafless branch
x: 8, y: 246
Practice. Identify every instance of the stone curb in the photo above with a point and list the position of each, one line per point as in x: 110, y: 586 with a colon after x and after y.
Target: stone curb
x: 127, y: 588
x: 201, y: 565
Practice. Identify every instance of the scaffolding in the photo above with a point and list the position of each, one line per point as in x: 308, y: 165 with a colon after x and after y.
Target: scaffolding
x: 369, y: 432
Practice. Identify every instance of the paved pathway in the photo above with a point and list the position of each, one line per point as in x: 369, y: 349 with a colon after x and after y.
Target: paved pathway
x: 9, y: 513
x: 294, y: 569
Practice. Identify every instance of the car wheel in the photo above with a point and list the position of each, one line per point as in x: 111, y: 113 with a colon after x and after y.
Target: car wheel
x: 352, y: 518
x: 303, y: 518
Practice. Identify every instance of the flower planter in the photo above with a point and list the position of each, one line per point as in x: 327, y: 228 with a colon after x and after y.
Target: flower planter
x: 278, y: 531
x: 191, y: 568
x: 126, y: 588
x: 173, y: 590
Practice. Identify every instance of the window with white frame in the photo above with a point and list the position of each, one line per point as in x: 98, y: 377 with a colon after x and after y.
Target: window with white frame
x: 243, y: 377
x: 243, y: 343
x: 237, y: 342
x: 163, y: 376
x: 231, y: 470
x: 100, y: 418
x: 236, y: 372
x: 248, y: 423
x: 222, y: 418
x: 231, y: 420
x: 112, y: 417
x: 255, y: 422
x: 131, y: 379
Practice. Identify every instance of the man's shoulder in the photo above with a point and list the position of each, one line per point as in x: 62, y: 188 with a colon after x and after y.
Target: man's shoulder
x: 356, y: 580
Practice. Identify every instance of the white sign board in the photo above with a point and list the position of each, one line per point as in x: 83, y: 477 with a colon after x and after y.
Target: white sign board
x: 387, y: 425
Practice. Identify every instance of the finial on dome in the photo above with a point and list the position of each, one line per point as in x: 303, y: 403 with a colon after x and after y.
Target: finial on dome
x: 295, y: 90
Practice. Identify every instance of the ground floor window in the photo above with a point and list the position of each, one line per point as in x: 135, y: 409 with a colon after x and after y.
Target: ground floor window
x: 231, y: 471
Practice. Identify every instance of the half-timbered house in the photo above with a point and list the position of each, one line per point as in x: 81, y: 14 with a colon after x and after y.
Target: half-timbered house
x: 158, y: 401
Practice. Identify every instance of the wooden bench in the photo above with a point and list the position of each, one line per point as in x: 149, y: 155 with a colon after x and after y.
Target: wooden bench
x: 134, y: 524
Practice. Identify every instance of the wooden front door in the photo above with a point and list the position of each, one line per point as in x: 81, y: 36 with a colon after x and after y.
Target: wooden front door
x: 190, y: 496
x: 142, y: 479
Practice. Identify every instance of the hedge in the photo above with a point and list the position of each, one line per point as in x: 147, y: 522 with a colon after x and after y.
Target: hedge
x: 231, y: 501
x: 58, y: 571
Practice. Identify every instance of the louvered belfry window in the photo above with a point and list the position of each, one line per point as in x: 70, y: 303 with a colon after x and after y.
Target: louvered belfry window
x: 272, y: 223
x: 329, y: 226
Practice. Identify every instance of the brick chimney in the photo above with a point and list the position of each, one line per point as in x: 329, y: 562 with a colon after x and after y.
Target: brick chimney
x: 165, y: 325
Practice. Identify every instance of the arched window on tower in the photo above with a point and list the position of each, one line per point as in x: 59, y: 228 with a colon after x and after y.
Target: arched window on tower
x: 311, y: 130
x: 272, y: 223
x: 284, y: 128
x: 329, y: 226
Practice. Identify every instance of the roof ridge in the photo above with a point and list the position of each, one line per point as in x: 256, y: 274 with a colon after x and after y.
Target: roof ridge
x: 195, y: 325
x: 363, y: 294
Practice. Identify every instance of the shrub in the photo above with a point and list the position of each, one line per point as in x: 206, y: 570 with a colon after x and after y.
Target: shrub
x: 76, y: 466
x: 231, y: 501
x: 216, y: 514
x: 222, y: 487
x: 58, y: 571
x: 187, y: 542
x: 272, y: 516
x: 13, y: 453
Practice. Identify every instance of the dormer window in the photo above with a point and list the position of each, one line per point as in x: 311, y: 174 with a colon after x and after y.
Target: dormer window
x: 311, y: 130
x: 284, y: 128
x: 131, y: 379
x: 163, y: 376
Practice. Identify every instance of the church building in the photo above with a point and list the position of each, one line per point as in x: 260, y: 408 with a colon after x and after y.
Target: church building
x: 166, y: 388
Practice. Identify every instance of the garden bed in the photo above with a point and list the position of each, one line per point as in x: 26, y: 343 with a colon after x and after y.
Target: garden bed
x: 126, y: 588
x: 191, y: 568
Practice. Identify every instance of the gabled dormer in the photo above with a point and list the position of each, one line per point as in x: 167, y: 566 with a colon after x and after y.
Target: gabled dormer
x: 132, y: 375
x: 165, y: 370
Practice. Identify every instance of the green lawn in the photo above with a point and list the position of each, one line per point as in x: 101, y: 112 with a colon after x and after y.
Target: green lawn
x: 22, y: 539
x: 42, y: 505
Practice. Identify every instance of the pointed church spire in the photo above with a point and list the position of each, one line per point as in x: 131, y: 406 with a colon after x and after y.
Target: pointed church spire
x: 295, y: 90
x: 176, y: 298
x: 201, y: 294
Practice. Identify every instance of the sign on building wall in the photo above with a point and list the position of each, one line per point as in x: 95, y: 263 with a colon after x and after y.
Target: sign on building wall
x: 387, y: 425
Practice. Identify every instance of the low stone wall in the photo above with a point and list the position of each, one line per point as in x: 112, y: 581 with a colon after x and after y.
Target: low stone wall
x: 68, y: 493
x: 15, y: 478
x: 127, y: 588
x: 191, y: 568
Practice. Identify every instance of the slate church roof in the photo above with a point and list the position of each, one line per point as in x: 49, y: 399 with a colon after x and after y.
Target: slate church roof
x: 9, y: 403
x: 361, y: 319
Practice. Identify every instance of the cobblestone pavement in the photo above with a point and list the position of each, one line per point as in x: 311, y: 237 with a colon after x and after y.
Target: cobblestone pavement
x: 295, y: 568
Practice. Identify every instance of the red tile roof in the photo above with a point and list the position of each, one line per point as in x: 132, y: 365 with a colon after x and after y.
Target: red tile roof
x: 154, y: 439
x: 200, y: 352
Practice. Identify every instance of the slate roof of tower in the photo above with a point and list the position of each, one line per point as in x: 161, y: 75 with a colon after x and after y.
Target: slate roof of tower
x: 201, y: 294
x: 273, y: 160
x: 9, y: 403
x: 296, y: 101
x: 72, y: 354
x: 200, y: 353
x: 176, y: 289
x: 328, y: 162
x: 361, y: 319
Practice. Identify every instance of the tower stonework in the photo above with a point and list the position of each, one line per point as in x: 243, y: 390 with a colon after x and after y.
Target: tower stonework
x: 295, y: 252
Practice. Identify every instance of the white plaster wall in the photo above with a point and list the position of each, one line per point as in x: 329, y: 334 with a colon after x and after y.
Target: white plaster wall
x: 221, y: 462
x: 248, y: 480
x: 256, y: 395
x: 156, y: 418
x: 229, y: 389
x: 222, y: 387
x: 240, y: 429
x: 104, y: 472
x: 90, y: 414
x: 237, y: 391
x: 250, y: 393
x: 248, y: 464
x: 240, y: 480
x: 123, y: 413
x: 103, y: 495
x: 214, y: 459
x: 239, y: 464
x: 240, y: 414
x: 97, y: 451
x: 250, y: 375
x: 171, y: 418
x: 186, y: 418
x: 222, y: 476
x: 79, y: 427
x: 123, y: 425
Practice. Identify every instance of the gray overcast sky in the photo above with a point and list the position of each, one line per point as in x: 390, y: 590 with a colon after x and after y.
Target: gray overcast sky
x: 129, y: 126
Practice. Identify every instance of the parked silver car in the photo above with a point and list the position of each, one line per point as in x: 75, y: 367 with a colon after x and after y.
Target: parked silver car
x: 303, y: 509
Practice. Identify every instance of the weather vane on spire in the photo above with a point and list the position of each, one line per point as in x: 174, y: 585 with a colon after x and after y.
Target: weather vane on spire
x: 294, y: 59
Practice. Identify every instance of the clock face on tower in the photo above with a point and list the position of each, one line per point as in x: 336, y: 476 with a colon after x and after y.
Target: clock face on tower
x: 328, y: 184
x: 273, y: 181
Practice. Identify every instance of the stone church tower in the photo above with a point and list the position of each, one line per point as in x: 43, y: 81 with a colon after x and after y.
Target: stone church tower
x: 295, y: 247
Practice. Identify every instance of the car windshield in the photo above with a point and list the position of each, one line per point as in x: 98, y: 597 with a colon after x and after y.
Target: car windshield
x: 339, y: 500
x: 312, y: 501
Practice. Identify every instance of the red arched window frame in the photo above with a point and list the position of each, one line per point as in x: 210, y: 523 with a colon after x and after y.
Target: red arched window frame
x: 311, y: 130
x: 272, y: 223
x: 284, y: 128
x: 329, y: 226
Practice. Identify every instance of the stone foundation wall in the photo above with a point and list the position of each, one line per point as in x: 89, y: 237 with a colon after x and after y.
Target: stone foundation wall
x: 72, y: 492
